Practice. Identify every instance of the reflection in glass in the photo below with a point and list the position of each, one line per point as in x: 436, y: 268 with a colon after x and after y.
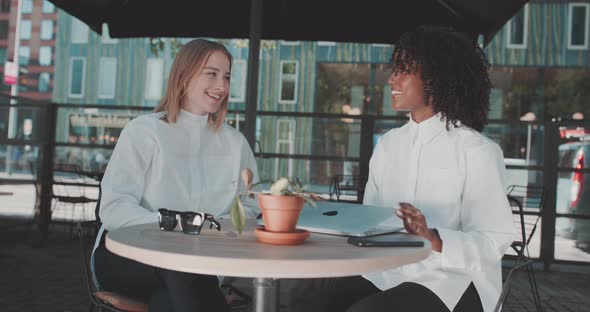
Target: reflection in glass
x: 16, y: 162
x: 92, y: 160
x: 315, y: 174
x: 522, y: 144
x: 572, y: 239
x: 353, y: 89
x: 93, y: 125
x: 310, y: 135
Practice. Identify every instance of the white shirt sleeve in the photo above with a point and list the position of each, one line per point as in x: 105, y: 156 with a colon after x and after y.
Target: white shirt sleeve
x: 248, y: 161
x: 124, y: 180
x: 486, y: 217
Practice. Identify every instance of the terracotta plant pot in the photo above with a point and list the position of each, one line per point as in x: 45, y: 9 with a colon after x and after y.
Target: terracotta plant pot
x: 280, y: 213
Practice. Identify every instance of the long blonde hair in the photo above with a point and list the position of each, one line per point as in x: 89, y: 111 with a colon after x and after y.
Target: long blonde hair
x: 188, y: 62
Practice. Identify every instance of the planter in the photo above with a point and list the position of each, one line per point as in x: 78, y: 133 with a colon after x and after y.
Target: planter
x: 280, y: 213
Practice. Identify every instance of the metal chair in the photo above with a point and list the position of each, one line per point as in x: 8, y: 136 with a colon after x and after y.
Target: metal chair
x: 341, y: 183
x: 69, y: 191
x: 523, y: 198
x: 103, y: 300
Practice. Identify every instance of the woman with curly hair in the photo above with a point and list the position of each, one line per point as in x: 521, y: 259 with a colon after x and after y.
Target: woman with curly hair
x: 444, y: 177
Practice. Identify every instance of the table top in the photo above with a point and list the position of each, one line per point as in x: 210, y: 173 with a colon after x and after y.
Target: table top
x: 227, y: 253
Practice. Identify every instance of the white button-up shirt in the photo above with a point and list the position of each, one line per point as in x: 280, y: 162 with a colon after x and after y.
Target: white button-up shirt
x: 183, y: 166
x: 456, y: 178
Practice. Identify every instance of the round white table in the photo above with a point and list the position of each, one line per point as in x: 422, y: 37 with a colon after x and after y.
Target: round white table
x: 228, y: 254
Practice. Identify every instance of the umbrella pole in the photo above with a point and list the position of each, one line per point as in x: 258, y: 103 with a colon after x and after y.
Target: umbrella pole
x: 253, y: 64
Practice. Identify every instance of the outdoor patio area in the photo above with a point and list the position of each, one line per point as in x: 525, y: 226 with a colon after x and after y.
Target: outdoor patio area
x: 50, y: 278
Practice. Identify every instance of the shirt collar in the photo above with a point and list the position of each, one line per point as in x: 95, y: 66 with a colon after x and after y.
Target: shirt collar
x: 189, y: 118
x: 427, y: 129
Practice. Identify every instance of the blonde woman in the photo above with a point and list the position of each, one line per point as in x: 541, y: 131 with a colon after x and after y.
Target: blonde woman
x: 183, y: 157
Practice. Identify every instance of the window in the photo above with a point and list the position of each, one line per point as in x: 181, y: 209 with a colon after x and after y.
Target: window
x: 43, y: 82
x: 24, y: 54
x: 4, y: 6
x: 3, y: 29
x: 48, y: 7
x: 577, y: 38
x: 2, y: 56
x: 237, y: 88
x: 290, y: 43
x: 107, y: 77
x: 284, y: 145
x: 79, y: 31
x: 77, y: 77
x: 27, y: 6
x: 288, y: 86
x: 517, y: 29
x: 25, y: 29
x: 46, y: 30
x: 106, y: 37
x: 153, y: 78
x: 45, y: 56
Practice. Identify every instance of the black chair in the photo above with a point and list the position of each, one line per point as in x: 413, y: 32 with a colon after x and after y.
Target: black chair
x: 347, y: 183
x: 103, y: 300
x: 521, y: 198
x: 69, y: 191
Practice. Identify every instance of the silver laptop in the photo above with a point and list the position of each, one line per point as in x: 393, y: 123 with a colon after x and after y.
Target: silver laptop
x: 346, y: 219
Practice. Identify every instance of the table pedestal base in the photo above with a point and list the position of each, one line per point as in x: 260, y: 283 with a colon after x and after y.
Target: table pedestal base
x: 266, y: 295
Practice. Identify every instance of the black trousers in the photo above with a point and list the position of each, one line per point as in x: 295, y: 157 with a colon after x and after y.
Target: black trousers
x: 163, y: 290
x: 356, y: 294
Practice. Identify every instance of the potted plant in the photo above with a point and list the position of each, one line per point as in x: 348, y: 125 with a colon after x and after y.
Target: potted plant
x: 280, y: 205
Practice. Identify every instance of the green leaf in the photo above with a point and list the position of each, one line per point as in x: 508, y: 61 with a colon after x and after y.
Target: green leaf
x: 238, y: 215
x: 310, y: 201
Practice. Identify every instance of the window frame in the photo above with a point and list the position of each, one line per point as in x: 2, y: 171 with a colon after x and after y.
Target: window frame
x: 47, y: 7
x: 571, y: 7
x: 48, y: 82
x: 100, y: 72
x: 242, y: 96
x: 20, y: 51
x: 290, y: 141
x: 46, y: 22
x: 83, y: 76
x: 50, y: 55
x: 525, y: 31
x: 30, y: 29
x: 147, y: 77
x: 284, y: 77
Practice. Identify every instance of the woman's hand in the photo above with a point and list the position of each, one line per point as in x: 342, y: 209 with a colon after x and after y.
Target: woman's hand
x: 415, y: 223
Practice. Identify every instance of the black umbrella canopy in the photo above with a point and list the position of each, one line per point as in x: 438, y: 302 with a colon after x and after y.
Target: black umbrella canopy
x: 368, y: 21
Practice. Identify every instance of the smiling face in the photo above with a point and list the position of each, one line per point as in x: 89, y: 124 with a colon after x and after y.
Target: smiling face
x: 209, y: 87
x: 407, y: 94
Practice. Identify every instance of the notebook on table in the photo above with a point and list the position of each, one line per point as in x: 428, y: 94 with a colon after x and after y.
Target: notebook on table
x: 347, y: 219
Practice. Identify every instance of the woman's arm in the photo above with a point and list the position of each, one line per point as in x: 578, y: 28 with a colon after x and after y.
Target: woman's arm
x: 486, y: 217
x: 124, y: 180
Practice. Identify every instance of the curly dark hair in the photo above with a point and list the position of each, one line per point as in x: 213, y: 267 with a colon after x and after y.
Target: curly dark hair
x: 454, y: 70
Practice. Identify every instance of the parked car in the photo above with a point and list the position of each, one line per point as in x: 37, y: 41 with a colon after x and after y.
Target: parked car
x: 573, y: 192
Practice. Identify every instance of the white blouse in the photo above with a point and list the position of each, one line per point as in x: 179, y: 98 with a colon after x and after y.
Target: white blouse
x: 456, y: 178
x: 184, y: 166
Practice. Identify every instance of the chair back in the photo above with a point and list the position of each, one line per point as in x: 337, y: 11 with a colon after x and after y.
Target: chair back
x: 87, y: 231
x: 526, y: 202
x: 342, y: 183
